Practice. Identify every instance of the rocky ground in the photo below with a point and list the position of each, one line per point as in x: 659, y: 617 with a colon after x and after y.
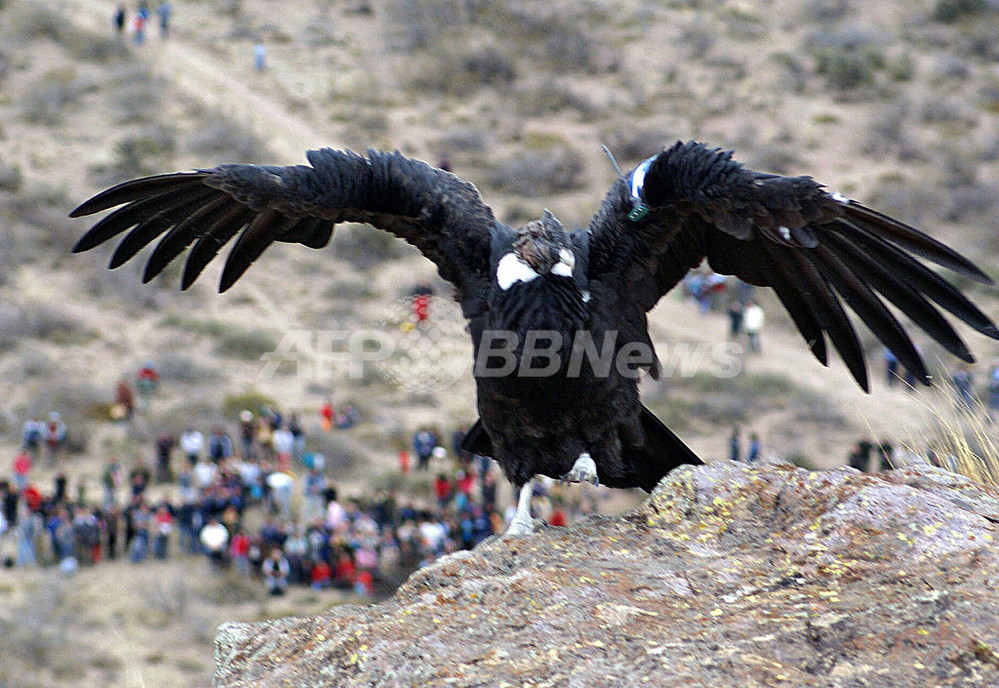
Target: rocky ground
x: 726, y: 576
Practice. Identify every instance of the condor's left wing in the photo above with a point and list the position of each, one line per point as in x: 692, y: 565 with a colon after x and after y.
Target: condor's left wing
x: 818, y: 251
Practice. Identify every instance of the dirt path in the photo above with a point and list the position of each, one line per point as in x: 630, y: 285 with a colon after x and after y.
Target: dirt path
x: 235, y: 90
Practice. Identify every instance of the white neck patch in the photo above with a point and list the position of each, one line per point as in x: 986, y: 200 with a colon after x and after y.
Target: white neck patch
x: 566, y: 263
x: 512, y: 269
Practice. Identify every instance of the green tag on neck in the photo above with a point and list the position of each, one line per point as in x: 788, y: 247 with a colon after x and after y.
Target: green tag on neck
x: 638, y: 212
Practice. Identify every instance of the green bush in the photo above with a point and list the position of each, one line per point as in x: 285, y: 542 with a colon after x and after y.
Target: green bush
x: 948, y: 11
x: 847, y: 68
x: 248, y: 345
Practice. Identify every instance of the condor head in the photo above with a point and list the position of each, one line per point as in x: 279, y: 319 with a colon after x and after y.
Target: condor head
x: 541, y: 247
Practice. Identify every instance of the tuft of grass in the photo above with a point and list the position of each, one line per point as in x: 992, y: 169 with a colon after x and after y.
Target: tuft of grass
x: 206, y: 327
x: 962, y: 438
x: 551, y: 96
x: 849, y: 68
x: 365, y: 247
x: 11, y: 178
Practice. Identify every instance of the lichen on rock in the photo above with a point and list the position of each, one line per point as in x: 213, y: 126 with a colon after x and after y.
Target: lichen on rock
x: 727, y: 575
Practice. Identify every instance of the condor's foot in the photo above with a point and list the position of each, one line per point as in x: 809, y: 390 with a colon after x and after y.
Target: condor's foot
x: 584, y: 470
x: 522, y: 524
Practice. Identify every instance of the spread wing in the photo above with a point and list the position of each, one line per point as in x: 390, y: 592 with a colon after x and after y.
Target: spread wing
x: 435, y: 211
x: 817, y: 250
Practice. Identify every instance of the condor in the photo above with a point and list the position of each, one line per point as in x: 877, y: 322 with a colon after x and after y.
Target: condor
x: 542, y: 286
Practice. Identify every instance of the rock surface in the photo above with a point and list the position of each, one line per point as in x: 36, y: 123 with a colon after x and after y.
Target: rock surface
x: 728, y: 575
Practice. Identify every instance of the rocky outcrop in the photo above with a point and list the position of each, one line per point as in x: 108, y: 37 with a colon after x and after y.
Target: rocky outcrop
x: 728, y: 575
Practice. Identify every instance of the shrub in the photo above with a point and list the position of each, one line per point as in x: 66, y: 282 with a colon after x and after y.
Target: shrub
x: 40, y: 321
x: 46, y: 100
x: 462, y: 73
x: 137, y: 155
x: 365, y: 247
x: 251, y: 399
x: 229, y: 141
x: 849, y: 68
x: 5, y: 65
x: 139, y: 97
x: 414, y: 24
x: 539, y: 173
x: 551, y: 96
x: 948, y: 11
x: 177, y: 367
x: 248, y: 345
x: 463, y: 139
x: 11, y: 178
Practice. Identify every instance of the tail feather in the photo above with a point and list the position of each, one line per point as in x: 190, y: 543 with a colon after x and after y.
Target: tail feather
x: 477, y: 440
x: 663, y: 451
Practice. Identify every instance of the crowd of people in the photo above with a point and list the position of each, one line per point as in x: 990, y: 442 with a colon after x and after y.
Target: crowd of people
x: 235, y: 504
x: 138, y: 23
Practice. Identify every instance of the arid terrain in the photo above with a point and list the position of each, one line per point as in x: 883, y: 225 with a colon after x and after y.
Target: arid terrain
x: 896, y: 104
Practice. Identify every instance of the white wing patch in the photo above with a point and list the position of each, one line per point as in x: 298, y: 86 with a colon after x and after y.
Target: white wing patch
x: 839, y: 198
x: 512, y: 269
x: 638, y: 178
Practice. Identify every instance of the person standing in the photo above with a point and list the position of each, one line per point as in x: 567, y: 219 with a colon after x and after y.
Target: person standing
x: 753, y: 455
x: 119, y: 20
x: 147, y: 380
x: 110, y: 480
x: 21, y: 467
x: 124, y: 401
x: 163, y: 525
x: 191, y: 443
x: 55, y: 436
x: 163, y: 11
x: 164, y: 446
x: 275, y: 570
x: 993, y: 400
x: 752, y: 325
x: 734, y: 448
x: 734, y: 320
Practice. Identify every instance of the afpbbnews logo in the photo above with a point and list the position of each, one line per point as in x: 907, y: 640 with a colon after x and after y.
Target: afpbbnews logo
x: 544, y: 353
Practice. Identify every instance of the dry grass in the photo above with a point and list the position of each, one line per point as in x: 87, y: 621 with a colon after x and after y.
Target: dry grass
x: 962, y: 438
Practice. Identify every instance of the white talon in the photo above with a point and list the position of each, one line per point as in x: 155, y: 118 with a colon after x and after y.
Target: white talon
x: 584, y: 470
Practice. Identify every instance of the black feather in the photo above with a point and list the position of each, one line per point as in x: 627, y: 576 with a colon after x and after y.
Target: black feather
x: 138, y: 188
x: 183, y: 234
x: 212, y: 241
x: 127, y: 217
x: 251, y: 243
x: 882, y: 278
x: 912, y: 239
x: 871, y: 310
x: 920, y: 278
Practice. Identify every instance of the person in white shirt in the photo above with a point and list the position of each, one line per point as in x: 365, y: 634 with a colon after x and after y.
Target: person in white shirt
x: 752, y: 324
x: 191, y: 443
